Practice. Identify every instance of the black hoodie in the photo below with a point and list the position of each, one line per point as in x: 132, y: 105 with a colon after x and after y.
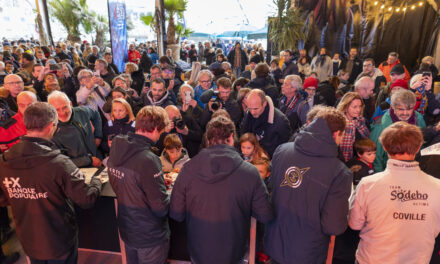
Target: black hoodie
x: 136, y: 176
x: 40, y: 184
x: 216, y: 193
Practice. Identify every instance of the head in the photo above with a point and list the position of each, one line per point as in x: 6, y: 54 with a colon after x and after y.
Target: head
x: 169, y: 53
x: 351, y: 105
x: 27, y: 58
x: 173, y: 146
x: 336, y: 56
x: 84, y: 76
x: 224, y: 88
x: 24, y: 99
x: 392, y: 57
x: 9, y: 66
x: 151, y: 121
x: 220, y: 130
x: 119, y: 92
x: 397, y: 72
x: 101, y: 66
x: 336, y: 122
x: 168, y: 72
x: 185, y: 89
x: 401, y: 140
x: 343, y: 75
x: 164, y: 61
x: 263, y: 166
x: 157, y: 89
x: 237, y: 46
x: 51, y: 82
x: 131, y: 46
x: 323, y: 51
x: 14, y: 84
x: 262, y: 70
x: 288, y: 55
x: 314, y: 111
x: 256, y: 102
x: 310, y: 86
x: 40, y: 120
x: 353, y: 53
x: 248, y: 145
x: 62, y: 104
x: 155, y: 72
x: 402, y: 103
x: 365, y: 150
x: 205, y: 78
x: 37, y: 69
x: 368, y: 66
x: 292, y: 83
x: 428, y: 60
x: 302, y: 53
x: 173, y: 112
x: 364, y: 87
x: 121, y: 109
x: 95, y: 50
x: 108, y: 57
x: 130, y: 67
x: 120, y: 81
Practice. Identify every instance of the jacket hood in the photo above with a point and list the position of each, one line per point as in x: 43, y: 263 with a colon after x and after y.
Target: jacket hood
x: 160, y: 101
x: 124, y: 147
x: 219, y: 162
x: 29, y: 153
x: 316, y: 140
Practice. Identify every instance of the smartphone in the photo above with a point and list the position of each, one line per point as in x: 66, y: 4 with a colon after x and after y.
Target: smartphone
x: 187, y: 97
x: 55, y: 67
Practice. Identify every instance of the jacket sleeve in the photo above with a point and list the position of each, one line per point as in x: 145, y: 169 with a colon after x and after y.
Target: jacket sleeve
x: 75, y: 187
x: 261, y: 207
x: 178, y: 198
x: 381, y: 155
x: 69, y: 88
x: 96, y: 121
x: 358, y: 208
x: 335, y: 211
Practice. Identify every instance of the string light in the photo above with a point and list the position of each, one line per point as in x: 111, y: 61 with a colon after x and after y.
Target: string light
x: 398, y: 10
x: 376, y: 3
x: 404, y: 9
x: 390, y: 8
x: 413, y: 7
x: 420, y: 3
x: 382, y: 6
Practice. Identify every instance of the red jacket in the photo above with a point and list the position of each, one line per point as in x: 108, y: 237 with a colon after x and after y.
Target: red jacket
x: 134, y: 56
x: 11, y: 131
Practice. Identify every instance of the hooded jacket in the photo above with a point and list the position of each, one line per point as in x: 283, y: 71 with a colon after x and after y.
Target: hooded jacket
x: 136, y: 176
x: 311, y: 187
x: 162, y: 102
x: 40, y: 184
x: 216, y: 193
x: 167, y: 166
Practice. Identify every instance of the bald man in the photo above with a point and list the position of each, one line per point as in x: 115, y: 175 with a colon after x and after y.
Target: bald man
x: 365, y: 88
x: 14, y: 85
x: 13, y: 129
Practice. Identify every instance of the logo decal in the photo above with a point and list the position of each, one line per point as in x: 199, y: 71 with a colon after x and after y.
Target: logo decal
x: 293, y: 177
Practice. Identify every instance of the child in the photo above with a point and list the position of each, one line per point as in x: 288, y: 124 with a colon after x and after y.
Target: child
x: 362, y: 165
x: 174, y: 155
x: 250, y: 148
x: 263, y: 166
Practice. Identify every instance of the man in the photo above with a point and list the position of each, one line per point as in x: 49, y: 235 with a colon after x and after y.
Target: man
x: 208, y: 53
x: 171, y: 84
x: 386, y: 66
x: 238, y: 59
x: 133, y: 55
x: 397, y: 73
x: 269, y: 124
x: 365, y: 88
x: 291, y: 99
x: 101, y: 66
x: 216, y: 193
x: 14, y: 85
x: 397, y: 210
x: 108, y: 57
x: 62, y: 55
x: 27, y: 64
x: 79, y: 130
x: 369, y: 69
x: 352, y: 64
x: 252, y: 64
x: 313, y: 98
x: 289, y: 66
x: 136, y: 177
x: 14, y: 128
x: 157, y: 95
x: 265, y: 82
x: 402, y: 109
x: 38, y: 181
x: 223, y: 100
x: 322, y: 65
x: 92, y: 91
x: 311, y: 187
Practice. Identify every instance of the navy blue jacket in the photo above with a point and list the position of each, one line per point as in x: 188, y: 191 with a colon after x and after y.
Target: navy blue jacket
x: 311, y: 187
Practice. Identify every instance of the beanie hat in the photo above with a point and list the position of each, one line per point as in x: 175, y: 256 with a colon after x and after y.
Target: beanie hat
x: 309, y: 82
x: 399, y: 83
x: 397, y: 69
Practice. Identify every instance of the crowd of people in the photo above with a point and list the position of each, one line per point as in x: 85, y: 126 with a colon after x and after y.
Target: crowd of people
x: 333, y: 141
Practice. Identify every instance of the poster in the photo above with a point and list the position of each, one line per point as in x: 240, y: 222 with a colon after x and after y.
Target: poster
x: 118, y: 32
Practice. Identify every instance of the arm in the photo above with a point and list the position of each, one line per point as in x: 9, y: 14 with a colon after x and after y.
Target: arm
x: 96, y: 121
x: 178, y: 198
x: 358, y: 209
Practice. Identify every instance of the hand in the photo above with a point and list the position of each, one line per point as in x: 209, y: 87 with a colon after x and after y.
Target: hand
x: 193, y: 103
x: 169, y: 127
x: 183, y: 131
x: 145, y: 90
x: 171, y: 85
x: 99, y: 81
x: 97, y: 141
x: 96, y: 162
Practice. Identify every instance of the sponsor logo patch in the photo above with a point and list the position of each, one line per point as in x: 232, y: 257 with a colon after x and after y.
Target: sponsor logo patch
x: 293, y: 177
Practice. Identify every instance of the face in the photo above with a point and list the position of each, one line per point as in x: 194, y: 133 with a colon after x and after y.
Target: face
x: 23, y: 101
x: 205, y: 82
x: 121, y: 84
x: 336, y: 56
x: 157, y: 91
x: 167, y: 74
x: 108, y: 58
x: 131, y: 47
x: 169, y: 53
x: 174, y: 153
x: 311, y: 91
x: 354, y: 110
x: 155, y: 73
x: 368, y: 67
x: 403, y: 112
x: 322, y: 51
x: 287, y: 89
x: 37, y: 71
x: 63, y: 107
x: 353, y: 53
x: 14, y: 85
x: 224, y: 93
x: 40, y: 55
x: 247, y: 148
x: 366, y: 91
x: 119, y: 111
x: 392, y: 59
x: 9, y: 67
x: 85, y: 79
x: 50, y: 82
x: 99, y: 67
x: 368, y: 156
x: 253, y: 65
x: 219, y: 58
x: 337, y: 136
x: 287, y: 56
x: 263, y: 171
x: 302, y: 53
x: 255, y: 106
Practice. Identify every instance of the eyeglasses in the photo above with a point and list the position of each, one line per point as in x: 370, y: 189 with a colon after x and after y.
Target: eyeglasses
x: 14, y: 83
x: 205, y: 81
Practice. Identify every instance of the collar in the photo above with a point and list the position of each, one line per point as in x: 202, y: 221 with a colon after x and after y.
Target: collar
x: 402, y: 166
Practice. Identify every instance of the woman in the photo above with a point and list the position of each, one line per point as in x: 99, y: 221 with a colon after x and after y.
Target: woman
x: 205, y: 82
x: 121, y: 122
x: 352, y: 107
x: 136, y: 75
x: 186, y: 102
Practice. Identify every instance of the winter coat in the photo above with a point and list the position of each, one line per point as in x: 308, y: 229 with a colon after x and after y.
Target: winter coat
x: 167, y: 166
x: 163, y: 102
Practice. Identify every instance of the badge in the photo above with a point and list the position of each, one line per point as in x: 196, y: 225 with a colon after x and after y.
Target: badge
x: 293, y: 177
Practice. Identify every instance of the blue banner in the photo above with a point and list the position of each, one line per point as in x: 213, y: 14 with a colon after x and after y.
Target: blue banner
x: 118, y: 32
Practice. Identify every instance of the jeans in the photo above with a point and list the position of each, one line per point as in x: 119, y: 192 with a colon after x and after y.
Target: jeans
x: 153, y: 255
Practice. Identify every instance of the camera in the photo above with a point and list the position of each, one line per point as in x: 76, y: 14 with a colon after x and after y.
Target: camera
x: 55, y: 67
x: 216, y: 104
x: 178, y: 122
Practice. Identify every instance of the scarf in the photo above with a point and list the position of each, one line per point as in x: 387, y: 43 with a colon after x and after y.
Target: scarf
x: 321, y: 60
x: 412, y: 120
x: 349, y: 137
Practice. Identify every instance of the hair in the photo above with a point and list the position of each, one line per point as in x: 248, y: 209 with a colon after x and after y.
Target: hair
x: 371, y: 60
x: 393, y: 54
x: 205, y: 72
x: 82, y: 74
x: 314, y: 111
x: 36, y: 65
x: 39, y: 115
x: 131, y: 67
x: 127, y: 77
x: 158, y: 80
x: 294, y: 79
x: 276, y: 61
x: 289, y: 51
x: 403, y: 97
x: 364, y: 145
x: 240, y: 82
x: 150, y: 118
x: 224, y: 82
x: 258, y: 150
x: 155, y: 66
x: 342, y: 72
x: 336, y: 121
x: 362, y: 83
x: 262, y: 161
x: 119, y: 89
x: 127, y: 108
x: 226, y: 64
x: 259, y: 93
x: 103, y: 62
x: 218, y: 130
x: 427, y: 58
x: 262, y: 70
x: 401, y: 138
x: 27, y: 56
x: 347, y: 99
x: 58, y: 95
x: 119, y: 77
x: 188, y: 87
x: 221, y: 112
x: 172, y: 141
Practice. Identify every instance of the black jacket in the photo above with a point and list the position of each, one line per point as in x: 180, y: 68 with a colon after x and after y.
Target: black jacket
x: 231, y: 106
x: 243, y: 60
x: 41, y: 186
x: 311, y: 187
x: 268, y: 86
x: 289, y: 68
x: 216, y: 193
x: 136, y: 176
x: 357, y: 68
x: 113, y: 128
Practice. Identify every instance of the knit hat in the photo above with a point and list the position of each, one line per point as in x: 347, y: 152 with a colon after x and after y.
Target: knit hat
x: 397, y: 69
x: 215, y: 66
x: 310, y: 82
x: 399, y: 83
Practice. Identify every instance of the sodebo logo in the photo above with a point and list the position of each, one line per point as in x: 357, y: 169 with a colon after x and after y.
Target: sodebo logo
x: 408, y: 195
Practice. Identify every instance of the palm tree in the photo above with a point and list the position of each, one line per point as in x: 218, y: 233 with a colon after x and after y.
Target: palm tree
x: 100, y: 26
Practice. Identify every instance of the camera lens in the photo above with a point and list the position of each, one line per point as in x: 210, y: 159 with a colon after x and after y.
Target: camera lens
x: 215, y: 106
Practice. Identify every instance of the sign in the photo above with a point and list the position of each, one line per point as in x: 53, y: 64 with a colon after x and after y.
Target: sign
x: 118, y: 32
